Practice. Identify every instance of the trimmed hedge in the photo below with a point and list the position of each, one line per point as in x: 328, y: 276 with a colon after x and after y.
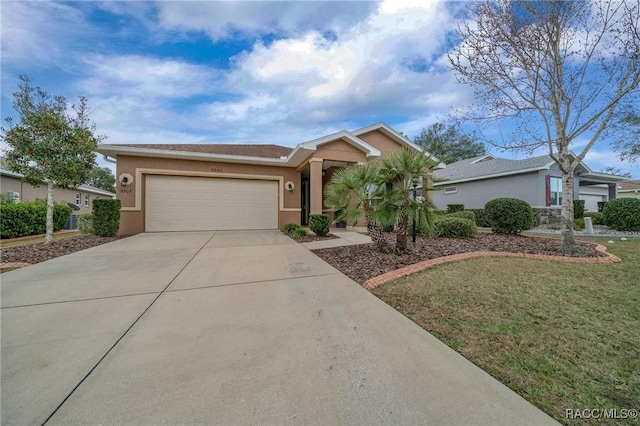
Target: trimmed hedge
x: 481, y: 217
x: 85, y: 223
x: 578, y: 224
x: 319, y: 224
x: 578, y: 209
x: 465, y: 214
x: 597, y: 218
x: 455, y: 227
x: 452, y: 208
x: 30, y: 218
x: 622, y: 214
x: 509, y: 215
x: 106, y: 217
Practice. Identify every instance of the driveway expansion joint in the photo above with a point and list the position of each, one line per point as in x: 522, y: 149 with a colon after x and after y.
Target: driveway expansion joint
x: 124, y: 334
x: 275, y: 280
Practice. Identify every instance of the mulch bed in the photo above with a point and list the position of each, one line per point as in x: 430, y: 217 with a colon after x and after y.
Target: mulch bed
x: 39, y: 252
x: 311, y: 238
x: 362, y: 262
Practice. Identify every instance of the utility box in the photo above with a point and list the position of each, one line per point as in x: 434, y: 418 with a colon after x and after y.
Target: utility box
x: 14, y: 197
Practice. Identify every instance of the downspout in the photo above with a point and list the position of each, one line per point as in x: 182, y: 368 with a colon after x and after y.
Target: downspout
x: 109, y: 160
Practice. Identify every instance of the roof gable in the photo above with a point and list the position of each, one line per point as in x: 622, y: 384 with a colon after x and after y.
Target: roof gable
x: 348, y: 137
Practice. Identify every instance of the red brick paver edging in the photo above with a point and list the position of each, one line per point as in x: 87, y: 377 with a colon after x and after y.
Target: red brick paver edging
x: 420, y: 266
x: 14, y: 265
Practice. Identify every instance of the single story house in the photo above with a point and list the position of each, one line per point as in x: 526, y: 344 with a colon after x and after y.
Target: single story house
x: 80, y: 199
x: 629, y: 189
x: 183, y: 187
x: 536, y: 180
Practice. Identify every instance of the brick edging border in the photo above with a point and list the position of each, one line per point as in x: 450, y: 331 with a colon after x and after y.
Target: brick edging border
x: 14, y: 265
x: 390, y: 276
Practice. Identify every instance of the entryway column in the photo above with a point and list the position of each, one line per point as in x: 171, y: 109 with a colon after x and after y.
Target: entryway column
x: 315, y: 185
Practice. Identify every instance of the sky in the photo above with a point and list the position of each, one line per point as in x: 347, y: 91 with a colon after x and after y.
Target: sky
x: 246, y: 71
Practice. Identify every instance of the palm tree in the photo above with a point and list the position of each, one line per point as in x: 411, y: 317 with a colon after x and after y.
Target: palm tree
x: 350, y: 193
x: 401, y: 171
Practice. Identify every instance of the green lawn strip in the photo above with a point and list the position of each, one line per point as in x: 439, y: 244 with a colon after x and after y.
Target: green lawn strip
x: 562, y: 335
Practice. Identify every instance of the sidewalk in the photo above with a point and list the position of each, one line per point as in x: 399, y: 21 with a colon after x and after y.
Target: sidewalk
x: 345, y: 238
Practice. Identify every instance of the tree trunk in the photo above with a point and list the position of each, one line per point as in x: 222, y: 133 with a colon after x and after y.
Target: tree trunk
x: 49, y: 236
x: 377, y: 237
x: 403, y: 228
x: 568, y: 245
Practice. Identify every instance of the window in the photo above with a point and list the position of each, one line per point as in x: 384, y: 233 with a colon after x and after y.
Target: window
x: 86, y: 200
x: 556, y: 191
x: 78, y: 199
x: 450, y: 189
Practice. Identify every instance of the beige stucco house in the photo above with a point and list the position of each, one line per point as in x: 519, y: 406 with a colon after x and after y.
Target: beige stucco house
x: 80, y: 199
x: 629, y: 189
x: 178, y: 187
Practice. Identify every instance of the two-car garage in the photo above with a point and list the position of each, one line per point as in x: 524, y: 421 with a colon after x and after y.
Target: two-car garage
x: 185, y: 203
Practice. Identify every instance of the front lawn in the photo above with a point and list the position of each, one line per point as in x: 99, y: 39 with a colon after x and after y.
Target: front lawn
x: 562, y: 335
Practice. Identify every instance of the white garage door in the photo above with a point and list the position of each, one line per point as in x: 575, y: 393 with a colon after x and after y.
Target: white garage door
x: 178, y: 203
x: 591, y: 201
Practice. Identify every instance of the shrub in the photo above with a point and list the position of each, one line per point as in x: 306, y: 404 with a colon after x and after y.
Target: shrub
x: 578, y: 209
x: 61, y: 213
x: 30, y: 218
x: 465, y: 214
x: 456, y: 227
x: 299, y: 232
x: 289, y: 228
x: 537, y: 216
x: 597, y: 218
x: 481, y: 217
x: 85, y: 223
x: 17, y: 220
x: 578, y: 224
x: 601, y: 205
x: 106, y: 217
x: 294, y: 230
x: 6, y: 200
x: 319, y: 224
x: 622, y: 214
x: 452, y: 208
x: 509, y: 215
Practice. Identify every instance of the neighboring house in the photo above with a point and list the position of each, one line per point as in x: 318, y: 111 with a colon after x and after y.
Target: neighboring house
x: 228, y: 187
x: 80, y: 199
x: 629, y: 189
x: 536, y: 180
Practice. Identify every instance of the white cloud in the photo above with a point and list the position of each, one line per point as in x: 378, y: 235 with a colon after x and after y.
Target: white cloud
x: 381, y: 66
x: 226, y: 19
x: 598, y: 159
x: 38, y: 33
x: 144, y: 76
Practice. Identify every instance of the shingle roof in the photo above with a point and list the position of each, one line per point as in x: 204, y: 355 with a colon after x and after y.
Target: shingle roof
x: 629, y: 185
x: 257, y: 150
x: 488, y: 165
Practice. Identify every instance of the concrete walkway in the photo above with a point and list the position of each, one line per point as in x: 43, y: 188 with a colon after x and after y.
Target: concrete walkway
x: 225, y: 328
x: 346, y: 238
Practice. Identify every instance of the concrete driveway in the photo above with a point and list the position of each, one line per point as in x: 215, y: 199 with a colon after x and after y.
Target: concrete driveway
x: 225, y: 328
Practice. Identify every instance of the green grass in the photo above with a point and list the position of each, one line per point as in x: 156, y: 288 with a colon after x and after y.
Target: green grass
x: 562, y: 335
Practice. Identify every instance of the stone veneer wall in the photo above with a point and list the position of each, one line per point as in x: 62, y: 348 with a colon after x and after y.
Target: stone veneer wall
x: 548, y: 215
